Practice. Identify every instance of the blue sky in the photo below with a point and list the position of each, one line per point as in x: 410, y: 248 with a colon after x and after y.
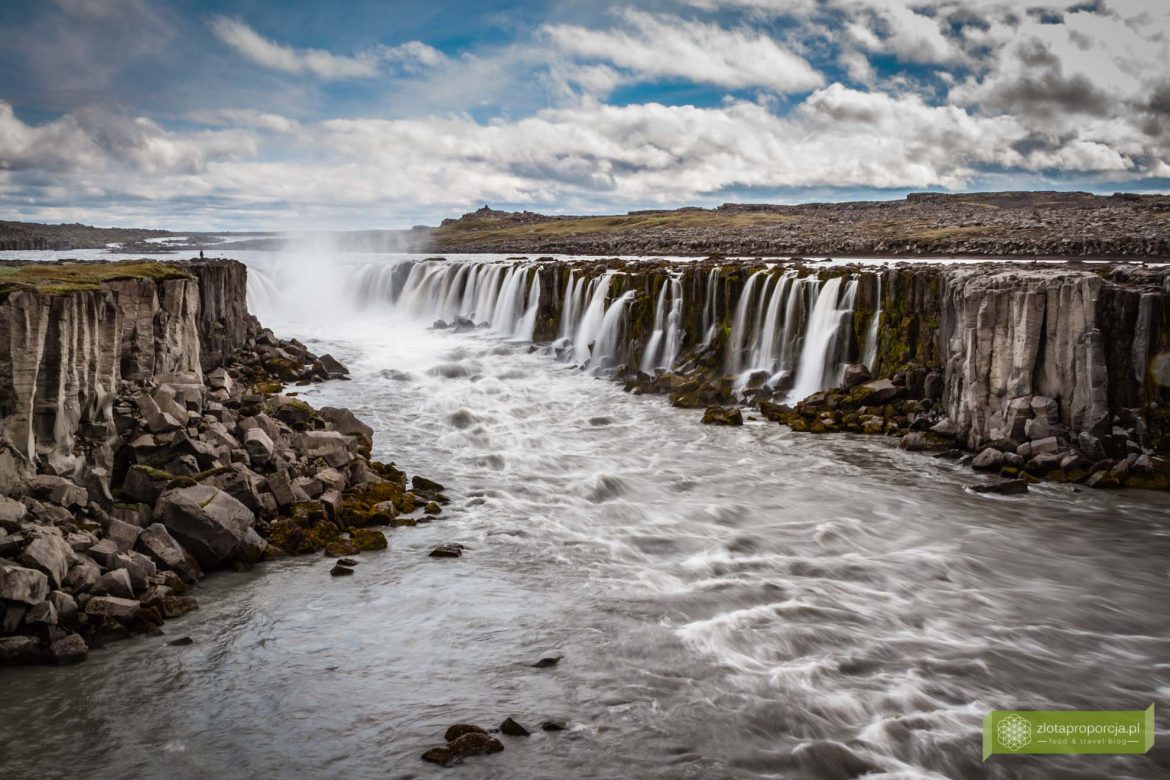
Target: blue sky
x: 261, y: 114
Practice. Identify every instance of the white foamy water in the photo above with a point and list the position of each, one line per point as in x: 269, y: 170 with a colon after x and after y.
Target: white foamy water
x: 730, y: 603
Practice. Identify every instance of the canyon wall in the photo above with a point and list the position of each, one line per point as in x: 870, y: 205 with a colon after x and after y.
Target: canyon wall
x: 64, y: 354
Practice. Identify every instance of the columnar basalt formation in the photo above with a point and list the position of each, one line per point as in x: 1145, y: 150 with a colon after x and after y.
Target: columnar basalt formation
x: 147, y: 440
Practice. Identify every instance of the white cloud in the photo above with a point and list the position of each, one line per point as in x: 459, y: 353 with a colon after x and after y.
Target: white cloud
x: 412, y: 55
x: 94, y: 141
x: 669, y: 47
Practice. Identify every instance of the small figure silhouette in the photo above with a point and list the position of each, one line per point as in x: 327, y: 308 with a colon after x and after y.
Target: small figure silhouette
x: 200, y: 254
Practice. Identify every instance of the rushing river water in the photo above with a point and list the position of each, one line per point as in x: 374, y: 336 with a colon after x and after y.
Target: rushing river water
x: 729, y: 602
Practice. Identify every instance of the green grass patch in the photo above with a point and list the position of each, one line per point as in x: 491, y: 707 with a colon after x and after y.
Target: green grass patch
x: 59, y: 278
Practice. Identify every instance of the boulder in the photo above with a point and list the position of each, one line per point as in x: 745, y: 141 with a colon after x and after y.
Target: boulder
x: 208, y: 522
x: 113, y: 607
x: 23, y: 585
x: 69, y: 649
x: 241, y: 483
x: 367, y: 539
x: 856, y: 374
x: 162, y: 548
x: 1041, y: 429
x: 58, y: 490
x: 449, y: 550
x: 513, y: 729
x: 12, y: 513
x: 989, y: 459
x: 140, y: 568
x: 876, y: 393
x: 65, y: 604
x: 284, y: 491
x: 18, y: 650
x: 333, y: 367
x: 1042, y: 446
x: 945, y: 427
x: 259, y: 446
x: 722, y: 415
x: 114, y: 583
x: 144, y: 485
x: 459, y: 729
x: 220, y: 379
x: 331, y: 478
x: 83, y: 575
x: 50, y: 554
x: 330, y: 446
x: 344, y: 421
x: 43, y: 613
x: 104, y: 552
x: 122, y: 534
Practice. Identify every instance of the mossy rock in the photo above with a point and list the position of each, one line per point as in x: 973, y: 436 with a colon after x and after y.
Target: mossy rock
x: 432, y: 508
x: 283, y: 369
x: 297, y: 540
x: 367, y: 539
x: 376, y: 504
x: 267, y: 388
x: 341, y: 548
x: 1150, y: 482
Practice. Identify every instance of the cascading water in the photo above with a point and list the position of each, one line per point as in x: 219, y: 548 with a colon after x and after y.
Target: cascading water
x: 820, y: 365
x: 663, y: 345
x: 574, y: 293
x: 739, y: 329
x: 496, y: 295
x: 871, y: 341
x: 765, y: 354
x: 527, y: 325
x: 771, y: 333
x: 709, y: 322
x: 604, y: 352
x: 591, y: 320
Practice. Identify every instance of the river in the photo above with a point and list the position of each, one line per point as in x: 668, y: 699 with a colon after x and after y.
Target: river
x: 729, y: 602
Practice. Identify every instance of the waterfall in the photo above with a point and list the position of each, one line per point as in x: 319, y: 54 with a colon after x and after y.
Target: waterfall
x: 739, y: 334
x: 820, y: 364
x: 765, y: 354
x: 674, y: 332
x: 871, y: 341
x: 650, y: 355
x: 666, y: 339
x: 574, y: 290
x: 605, y: 348
x: 709, y: 321
x: 591, y: 320
x: 527, y: 325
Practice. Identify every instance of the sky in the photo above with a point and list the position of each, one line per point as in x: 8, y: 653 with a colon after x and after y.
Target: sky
x: 281, y: 114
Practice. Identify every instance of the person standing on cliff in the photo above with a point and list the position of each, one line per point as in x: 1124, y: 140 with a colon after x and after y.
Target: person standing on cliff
x: 200, y: 254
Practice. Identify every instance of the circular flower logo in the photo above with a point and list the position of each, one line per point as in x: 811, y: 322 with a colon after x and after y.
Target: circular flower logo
x: 1014, y: 732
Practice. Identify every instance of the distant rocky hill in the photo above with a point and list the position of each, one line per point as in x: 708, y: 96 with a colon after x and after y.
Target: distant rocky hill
x: 986, y: 224
x: 32, y: 235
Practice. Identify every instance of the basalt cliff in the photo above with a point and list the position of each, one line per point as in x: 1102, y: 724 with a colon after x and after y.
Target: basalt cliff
x: 145, y: 440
